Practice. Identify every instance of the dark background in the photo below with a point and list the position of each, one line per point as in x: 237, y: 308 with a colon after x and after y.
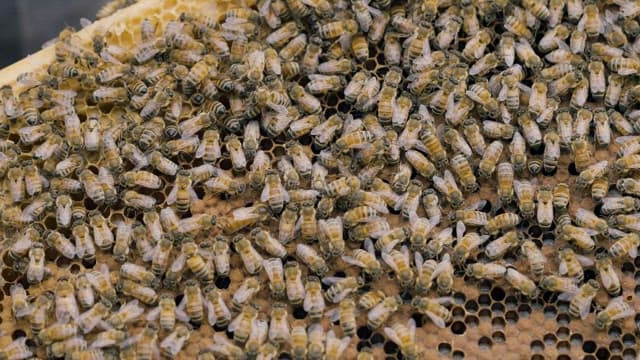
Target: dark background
x: 26, y: 24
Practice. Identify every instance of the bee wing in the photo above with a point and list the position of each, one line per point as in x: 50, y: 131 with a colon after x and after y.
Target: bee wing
x: 388, y: 259
x: 211, y: 315
x: 437, y: 321
x: 201, y: 149
x: 445, y: 300
x: 567, y: 295
x: 333, y: 314
x: 623, y: 139
x: 171, y: 198
x: 460, y: 230
x: 130, y: 341
x: 440, y: 184
x: 633, y: 252
x: 584, y: 308
x: 368, y: 245
x: 181, y: 315
x: 502, y: 95
x: 377, y: 311
x: 419, y: 261
x: 405, y: 251
x: 153, y: 314
x: 330, y: 280
x: 585, y: 261
x: 352, y: 261
x: 392, y: 335
x: 562, y: 267
x: 442, y: 266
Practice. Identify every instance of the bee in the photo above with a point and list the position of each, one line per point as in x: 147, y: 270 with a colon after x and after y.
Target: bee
x: 551, y: 151
x: 222, y: 346
x: 617, y: 308
x: 15, y: 184
x: 41, y: 310
x: 36, y: 269
x: 279, y: 330
x: 60, y: 243
x: 122, y: 241
x: 619, y: 204
x: 525, y: 195
x: 571, y: 263
x: 608, y: 275
x: 125, y: 315
x: 628, y: 244
x: 299, y: 341
x: 380, y: 313
x: 340, y: 288
x: 567, y: 81
x: 251, y: 259
x: 466, y: 244
x: 16, y: 349
x: 217, y: 311
x: 521, y: 283
x: 162, y: 164
x: 378, y: 26
x: 433, y: 308
x: 400, y: 263
x: 322, y: 84
x: 247, y: 291
x: 359, y: 214
x: 192, y: 302
x: 242, y: 324
x: 588, y: 219
x: 448, y: 187
x: 102, y: 285
x: 561, y: 196
x: 33, y: 180
x: 489, y: 271
x: 330, y: 237
x: 257, y: 336
x: 138, y: 201
x: 20, y: 306
x: 144, y: 294
x: 175, y: 342
x: 366, y: 260
x: 83, y: 240
x: 469, y: 217
x: 463, y: 170
x: 544, y: 197
x: 182, y: 193
x: 628, y: 186
x: 30, y: 135
x: 92, y: 317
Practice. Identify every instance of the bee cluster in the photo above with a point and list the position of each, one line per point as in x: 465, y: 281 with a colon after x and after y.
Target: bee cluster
x: 281, y: 179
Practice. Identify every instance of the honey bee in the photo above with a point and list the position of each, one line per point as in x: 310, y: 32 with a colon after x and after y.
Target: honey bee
x: 279, y: 330
x: 41, y: 310
x: 257, y: 336
x: 15, y: 184
x: 551, y: 151
x: 608, y: 275
x: 16, y: 349
x: 192, y: 302
x: 571, y: 263
x: 91, y: 318
x: 467, y: 243
x: 251, y: 259
x: 628, y: 244
x: 463, y: 170
x: 102, y: 285
x: 448, y: 187
x: 588, y: 219
x: 330, y: 236
x: 20, y: 306
x: 521, y: 283
x: 617, y: 308
x: 222, y: 346
x: 60, y: 243
x: 85, y: 248
x: 175, y: 342
x: 525, y: 195
x: 36, y: 269
x: 126, y: 314
x: 217, y: 311
x: 400, y: 263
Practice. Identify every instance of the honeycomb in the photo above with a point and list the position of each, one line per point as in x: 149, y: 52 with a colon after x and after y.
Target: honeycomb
x: 487, y: 317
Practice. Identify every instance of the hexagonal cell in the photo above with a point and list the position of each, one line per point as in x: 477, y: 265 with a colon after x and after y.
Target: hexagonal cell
x: 444, y: 348
x: 589, y: 347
